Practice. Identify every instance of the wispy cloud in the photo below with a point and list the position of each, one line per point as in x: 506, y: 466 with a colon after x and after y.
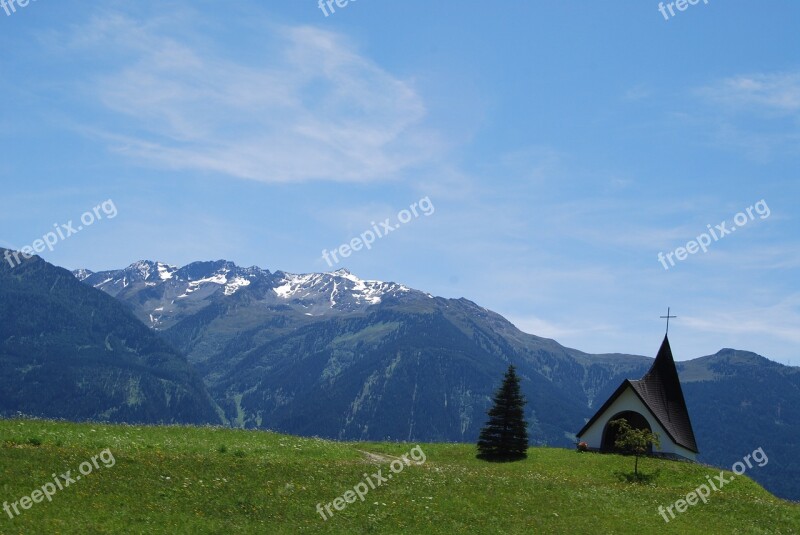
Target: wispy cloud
x: 637, y: 92
x: 772, y: 92
x: 306, y: 106
x: 756, y: 114
x: 779, y: 321
x: 549, y: 329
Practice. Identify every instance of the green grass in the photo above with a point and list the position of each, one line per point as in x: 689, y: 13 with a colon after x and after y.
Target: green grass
x: 208, y: 480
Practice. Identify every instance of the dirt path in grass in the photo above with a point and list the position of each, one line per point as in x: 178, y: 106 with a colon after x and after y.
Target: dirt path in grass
x: 378, y: 457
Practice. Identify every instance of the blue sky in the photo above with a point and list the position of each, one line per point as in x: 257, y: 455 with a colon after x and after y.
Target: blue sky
x: 563, y: 146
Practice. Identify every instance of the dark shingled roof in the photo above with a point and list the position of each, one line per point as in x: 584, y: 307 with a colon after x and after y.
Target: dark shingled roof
x: 660, y: 391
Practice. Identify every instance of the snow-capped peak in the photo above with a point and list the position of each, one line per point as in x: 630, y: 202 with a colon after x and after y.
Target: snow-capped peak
x: 340, y: 289
x: 147, y: 270
x: 170, y: 288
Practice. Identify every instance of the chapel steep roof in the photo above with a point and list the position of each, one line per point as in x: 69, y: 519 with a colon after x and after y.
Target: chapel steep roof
x: 660, y: 389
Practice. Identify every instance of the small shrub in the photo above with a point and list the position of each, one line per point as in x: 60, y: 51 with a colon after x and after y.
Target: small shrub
x: 35, y: 441
x: 222, y: 449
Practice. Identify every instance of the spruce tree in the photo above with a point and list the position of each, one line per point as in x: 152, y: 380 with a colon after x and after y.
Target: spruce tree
x: 505, y: 436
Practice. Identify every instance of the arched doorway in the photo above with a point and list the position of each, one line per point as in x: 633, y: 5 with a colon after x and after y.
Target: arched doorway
x: 634, y: 419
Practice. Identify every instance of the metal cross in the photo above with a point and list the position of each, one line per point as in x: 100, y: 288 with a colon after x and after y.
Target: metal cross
x: 668, y: 317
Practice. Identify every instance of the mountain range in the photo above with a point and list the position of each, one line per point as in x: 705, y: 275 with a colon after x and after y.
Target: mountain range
x: 331, y: 355
x: 78, y: 355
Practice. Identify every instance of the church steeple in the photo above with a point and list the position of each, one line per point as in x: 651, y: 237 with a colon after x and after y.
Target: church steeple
x: 661, y: 390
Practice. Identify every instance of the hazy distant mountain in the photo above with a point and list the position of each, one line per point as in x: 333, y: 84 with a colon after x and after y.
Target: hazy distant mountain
x: 740, y: 401
x: 69, y: 351
x: 330, y: 354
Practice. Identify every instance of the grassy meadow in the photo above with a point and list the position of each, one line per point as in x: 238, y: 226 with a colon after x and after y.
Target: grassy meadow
x: 211, y: 480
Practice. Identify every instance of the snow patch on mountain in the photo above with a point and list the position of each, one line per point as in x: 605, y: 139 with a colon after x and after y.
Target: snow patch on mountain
x: 296, y: 283
x: 235, y: 284
x: 217, y: 278
x: 165, y: 272
x: 82, y: 274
